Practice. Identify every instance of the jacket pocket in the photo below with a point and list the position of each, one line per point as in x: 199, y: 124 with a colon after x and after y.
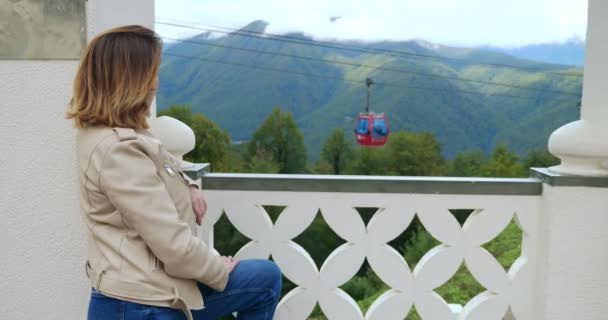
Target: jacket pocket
x: 172, y: 171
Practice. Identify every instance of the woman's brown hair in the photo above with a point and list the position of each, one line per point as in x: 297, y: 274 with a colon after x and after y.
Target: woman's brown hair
x: 114, y: 82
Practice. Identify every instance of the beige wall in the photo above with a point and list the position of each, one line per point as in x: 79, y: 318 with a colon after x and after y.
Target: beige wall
x: 42, y: 238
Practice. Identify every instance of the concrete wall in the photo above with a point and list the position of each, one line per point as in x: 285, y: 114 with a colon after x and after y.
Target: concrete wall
x: 42, y: 238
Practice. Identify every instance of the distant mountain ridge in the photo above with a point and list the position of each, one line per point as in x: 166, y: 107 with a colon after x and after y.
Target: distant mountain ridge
x: 570, y: 52
x: 417, y: 89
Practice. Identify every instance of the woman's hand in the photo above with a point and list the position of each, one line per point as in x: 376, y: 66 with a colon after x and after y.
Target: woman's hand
x: 199, y: 204
x: 230, y: 262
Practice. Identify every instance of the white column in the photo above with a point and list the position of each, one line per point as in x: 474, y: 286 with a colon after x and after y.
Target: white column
x: 583, y: 145
x: 574, y: 249
x: 595, y: 95
x: 107, y: 14
x: 573, y: 259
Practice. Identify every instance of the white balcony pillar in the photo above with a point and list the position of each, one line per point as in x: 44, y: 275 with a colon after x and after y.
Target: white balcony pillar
x: 573, y: 248
x: 574, y: 243
x: 583, y: 145
x: 175, y: 135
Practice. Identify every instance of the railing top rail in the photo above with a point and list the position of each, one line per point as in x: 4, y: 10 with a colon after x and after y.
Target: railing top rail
x: 371, y: 184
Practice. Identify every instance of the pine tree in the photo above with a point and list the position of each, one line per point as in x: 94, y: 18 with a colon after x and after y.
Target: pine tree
x: 280, y: 137
x: 337, y: 151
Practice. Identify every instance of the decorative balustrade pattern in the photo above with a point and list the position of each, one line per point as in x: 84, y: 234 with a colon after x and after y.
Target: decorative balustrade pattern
x: 512, y: 289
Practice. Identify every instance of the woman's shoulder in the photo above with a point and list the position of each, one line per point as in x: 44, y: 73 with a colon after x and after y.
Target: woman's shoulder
x: 105, y: 137
x: 101, y: 142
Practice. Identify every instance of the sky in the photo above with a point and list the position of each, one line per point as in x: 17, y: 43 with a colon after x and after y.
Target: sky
x: 504, y: 23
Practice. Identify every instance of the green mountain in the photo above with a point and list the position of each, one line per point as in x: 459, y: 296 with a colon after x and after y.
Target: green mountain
x: 236, y: 89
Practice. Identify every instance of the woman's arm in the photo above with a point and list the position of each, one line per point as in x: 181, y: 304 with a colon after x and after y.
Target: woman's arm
x: 199, y: 203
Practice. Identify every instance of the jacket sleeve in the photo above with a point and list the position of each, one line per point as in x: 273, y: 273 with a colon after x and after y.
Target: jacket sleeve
x: 190, y: 182
x: 130, y: 180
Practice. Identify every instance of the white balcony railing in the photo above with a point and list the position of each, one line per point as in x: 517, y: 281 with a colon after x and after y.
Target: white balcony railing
x: 497, y: 202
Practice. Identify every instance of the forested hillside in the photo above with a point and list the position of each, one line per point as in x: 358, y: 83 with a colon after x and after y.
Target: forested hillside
x: 464, y: 97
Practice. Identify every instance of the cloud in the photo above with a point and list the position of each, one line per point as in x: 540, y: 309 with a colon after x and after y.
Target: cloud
x: 456, y: 22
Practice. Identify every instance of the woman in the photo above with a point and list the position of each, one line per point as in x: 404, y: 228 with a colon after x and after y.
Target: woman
x: 144, y: 262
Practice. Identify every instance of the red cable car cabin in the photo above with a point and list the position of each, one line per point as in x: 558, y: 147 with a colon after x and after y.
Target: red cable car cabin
x: 372, y: 129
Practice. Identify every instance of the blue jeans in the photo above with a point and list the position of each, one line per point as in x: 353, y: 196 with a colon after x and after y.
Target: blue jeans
x: 253, y: 291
